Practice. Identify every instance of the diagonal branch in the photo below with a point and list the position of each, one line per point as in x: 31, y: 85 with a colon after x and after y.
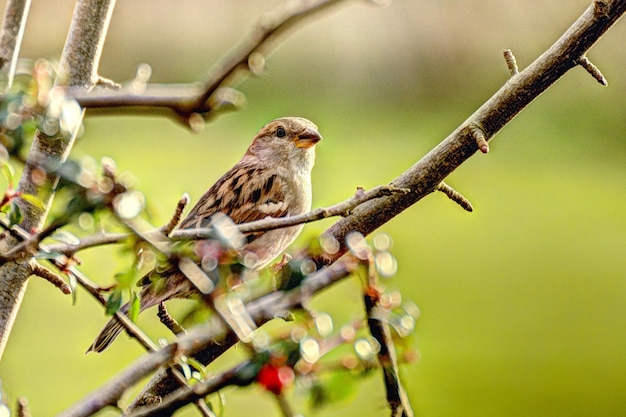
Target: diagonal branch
x: 518, y: 92
x: 261, y: 310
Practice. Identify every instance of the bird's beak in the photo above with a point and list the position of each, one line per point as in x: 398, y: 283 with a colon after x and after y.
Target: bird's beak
x: 307, y: 138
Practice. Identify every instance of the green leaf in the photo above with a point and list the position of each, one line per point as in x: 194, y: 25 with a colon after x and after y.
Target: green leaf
x: 135, y: 306
x: 66, y: 237
x: 73, y: 284
x: 184, y: 366
x: 15, y: 215
x: 127, y: 278
x: 34, y: 200
x: 114, y: 302
x: 8, y: 172
x: 332, y: 388
x: 197, y: 365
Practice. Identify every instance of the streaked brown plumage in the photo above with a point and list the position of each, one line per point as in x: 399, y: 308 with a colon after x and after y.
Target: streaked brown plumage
x: 272, y: 179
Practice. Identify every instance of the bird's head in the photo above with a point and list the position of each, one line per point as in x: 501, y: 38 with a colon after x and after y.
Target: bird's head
x: 286, y: 139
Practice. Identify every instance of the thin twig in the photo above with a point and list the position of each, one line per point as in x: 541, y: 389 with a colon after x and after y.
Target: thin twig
x: 340, y: 209
x: 180, y: 207
x: 50, y: 276
x: 168, y: 321
x: 511, y: 62
x: 592, y: 70
x: 131, y: 328
x: 86, y: 242
x: 397, y: 397
x: 23, y: 410
x: 261, y: 310
x: 455, y: 196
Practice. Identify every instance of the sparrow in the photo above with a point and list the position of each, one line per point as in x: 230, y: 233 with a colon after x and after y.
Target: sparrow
x: 272, y: 179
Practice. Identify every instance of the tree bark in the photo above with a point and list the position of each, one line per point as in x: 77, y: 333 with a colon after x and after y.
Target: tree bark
x: 79, y: 61
x: 15, y: 15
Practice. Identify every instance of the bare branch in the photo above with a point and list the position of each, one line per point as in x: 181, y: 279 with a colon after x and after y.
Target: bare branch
x: 87, y: 242
x: 131, y: 328
x: 180, y: 207
x: 169, y: 321
x: 423, y: 177
x: 340, y: 209
x: 85, y: 41
x: 11, y: 34
x: 186, y: 100
x: 397, y: 397
x: 52, y: 277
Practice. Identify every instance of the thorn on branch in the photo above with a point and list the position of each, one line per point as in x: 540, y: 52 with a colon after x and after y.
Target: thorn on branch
x: 479, y: 136
x: 511, y: 62
x: 23, y: 410
x: 106, y: 83
x: 178, y: 213
x: 169, y: 321
x: 601, y: 9
x: 455, y: 196
x: 593, y: 70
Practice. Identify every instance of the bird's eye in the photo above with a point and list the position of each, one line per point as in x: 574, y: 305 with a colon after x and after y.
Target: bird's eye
x: 280, y: 132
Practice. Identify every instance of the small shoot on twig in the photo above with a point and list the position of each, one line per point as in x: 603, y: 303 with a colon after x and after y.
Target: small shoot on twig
x: 169, y: 321
x: 23, y: 409
x: 178, y: 214
x: 479, y: 136
x: 511, y: 62
x: 51, y: 277
x: 592, y: 70
x: 455, y: 196
x: 106, y: 83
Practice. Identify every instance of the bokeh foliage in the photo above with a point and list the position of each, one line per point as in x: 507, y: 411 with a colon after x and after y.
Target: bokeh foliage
x: 522, y: 300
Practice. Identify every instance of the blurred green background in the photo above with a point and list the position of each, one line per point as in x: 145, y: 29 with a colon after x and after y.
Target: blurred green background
x: 523, y: 301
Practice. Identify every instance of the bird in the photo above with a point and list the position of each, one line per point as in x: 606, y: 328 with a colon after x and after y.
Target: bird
x: 272, y: 179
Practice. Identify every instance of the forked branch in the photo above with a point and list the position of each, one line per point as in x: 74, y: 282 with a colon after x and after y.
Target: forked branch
x: 188, y: 102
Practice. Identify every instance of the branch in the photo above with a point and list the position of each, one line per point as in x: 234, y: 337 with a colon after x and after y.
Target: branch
x: 188, y: 100
x: 423, y: 177
x: 214, y: 330
x: 11, y: 34
x: 79, y: 63
x: 340, y: 209
x: 397, y: 397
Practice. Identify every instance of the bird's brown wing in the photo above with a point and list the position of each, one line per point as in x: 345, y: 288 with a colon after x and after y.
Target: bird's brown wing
x: 241, y: 198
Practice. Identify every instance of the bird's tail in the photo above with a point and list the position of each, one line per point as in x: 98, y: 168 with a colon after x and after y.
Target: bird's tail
x: 153, y: 293
x: 108, y: 334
